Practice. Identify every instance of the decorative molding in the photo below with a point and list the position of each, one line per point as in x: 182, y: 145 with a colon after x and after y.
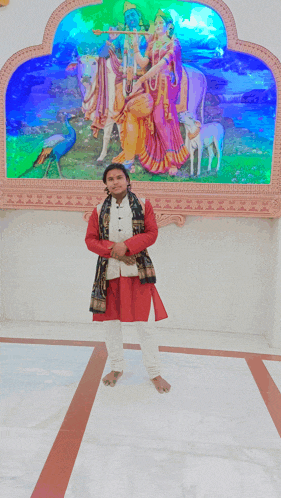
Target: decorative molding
x: 87, y: 215
x: 164, y: 219
x: 172, y: 201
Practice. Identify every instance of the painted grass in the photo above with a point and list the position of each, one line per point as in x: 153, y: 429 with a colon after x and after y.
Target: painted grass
x: 246, y: 159
x: 22, y: 151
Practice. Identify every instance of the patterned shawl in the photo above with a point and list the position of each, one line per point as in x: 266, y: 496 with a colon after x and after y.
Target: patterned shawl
x: 144, y: 264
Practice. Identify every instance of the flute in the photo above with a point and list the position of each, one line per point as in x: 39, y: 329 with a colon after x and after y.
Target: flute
x: 98, y: 32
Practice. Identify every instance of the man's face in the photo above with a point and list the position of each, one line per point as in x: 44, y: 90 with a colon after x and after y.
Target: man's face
x: 132, y: 19
x: 116, y: 182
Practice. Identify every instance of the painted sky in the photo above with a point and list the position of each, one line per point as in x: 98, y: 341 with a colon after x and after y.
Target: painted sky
x: 194, y: 23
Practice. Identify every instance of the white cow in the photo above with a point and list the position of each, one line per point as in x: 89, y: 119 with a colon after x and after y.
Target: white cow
x: 199, y: 136
x: 87, y: 71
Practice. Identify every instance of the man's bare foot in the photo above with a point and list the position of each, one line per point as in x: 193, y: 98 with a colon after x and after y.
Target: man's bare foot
x: 161, y: 384
x: 111, y: 378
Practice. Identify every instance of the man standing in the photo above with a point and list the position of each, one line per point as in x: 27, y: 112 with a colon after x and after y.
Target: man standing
x: 119, y: 231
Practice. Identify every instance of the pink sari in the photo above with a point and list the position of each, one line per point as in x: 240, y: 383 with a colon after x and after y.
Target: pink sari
x: 163, y: 145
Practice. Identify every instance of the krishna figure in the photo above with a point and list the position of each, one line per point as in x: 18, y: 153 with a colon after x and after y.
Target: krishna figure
x: 120, y: 49
x: 123, y: 56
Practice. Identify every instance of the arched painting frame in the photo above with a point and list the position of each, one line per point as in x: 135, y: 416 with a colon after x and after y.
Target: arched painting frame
x: 172, y: 201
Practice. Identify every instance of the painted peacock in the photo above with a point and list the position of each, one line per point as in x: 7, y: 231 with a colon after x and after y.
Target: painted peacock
x: 55, y: 147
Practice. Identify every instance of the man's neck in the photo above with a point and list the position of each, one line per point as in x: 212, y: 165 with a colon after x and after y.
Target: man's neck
x: 119, y: 198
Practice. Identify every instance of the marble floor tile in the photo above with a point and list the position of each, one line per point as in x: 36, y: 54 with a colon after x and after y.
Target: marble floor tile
x: 37, y: 385
x: 210, y: 437
x: 132, y: 472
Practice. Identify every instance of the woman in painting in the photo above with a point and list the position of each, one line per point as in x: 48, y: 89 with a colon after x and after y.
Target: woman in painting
x: 161, y: 147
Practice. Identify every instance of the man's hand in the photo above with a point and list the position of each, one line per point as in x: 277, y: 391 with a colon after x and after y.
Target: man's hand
x: 128, y: 260
x: 118, y: 250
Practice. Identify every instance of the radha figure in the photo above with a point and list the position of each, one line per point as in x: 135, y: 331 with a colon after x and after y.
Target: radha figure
x: 162, y: 148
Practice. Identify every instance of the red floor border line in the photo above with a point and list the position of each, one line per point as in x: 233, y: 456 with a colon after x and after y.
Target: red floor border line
x: 209, y: 352
x: 163, y: 349
x: 54, y: 478
x: 268, y: 389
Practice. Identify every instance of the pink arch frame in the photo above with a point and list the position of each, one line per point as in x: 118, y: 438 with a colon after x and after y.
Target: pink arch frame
x: 172, y: 201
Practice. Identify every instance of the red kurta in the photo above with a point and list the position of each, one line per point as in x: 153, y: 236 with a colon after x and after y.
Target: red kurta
x: 127, y: 299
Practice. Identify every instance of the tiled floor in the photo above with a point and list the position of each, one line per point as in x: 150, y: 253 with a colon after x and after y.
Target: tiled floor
x: 63, y: 433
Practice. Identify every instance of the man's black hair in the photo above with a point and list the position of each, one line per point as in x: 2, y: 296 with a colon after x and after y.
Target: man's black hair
x: 115, y: 166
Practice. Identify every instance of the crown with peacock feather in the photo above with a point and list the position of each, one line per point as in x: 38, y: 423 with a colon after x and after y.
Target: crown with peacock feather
x: 160, y: 13
x: 128, y: 6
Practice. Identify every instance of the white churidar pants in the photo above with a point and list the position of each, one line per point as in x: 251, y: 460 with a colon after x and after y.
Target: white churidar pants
x: 114, y: 345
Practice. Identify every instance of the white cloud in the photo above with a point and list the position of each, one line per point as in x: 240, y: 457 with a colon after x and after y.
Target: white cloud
x: 200, y: 20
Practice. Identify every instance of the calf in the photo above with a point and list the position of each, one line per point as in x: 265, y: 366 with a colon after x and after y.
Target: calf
x: 199, y: 136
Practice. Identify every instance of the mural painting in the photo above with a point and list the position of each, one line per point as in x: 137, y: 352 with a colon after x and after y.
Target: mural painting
x: 150, y: 85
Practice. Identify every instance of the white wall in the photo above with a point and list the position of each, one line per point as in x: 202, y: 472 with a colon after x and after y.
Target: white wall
x: 259, y: 22
x: 22, y: 24
x: 213, y: 274
x: 2, y: 215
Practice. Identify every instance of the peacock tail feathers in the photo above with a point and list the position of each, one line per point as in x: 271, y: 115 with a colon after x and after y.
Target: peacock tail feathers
x: 43, y: 155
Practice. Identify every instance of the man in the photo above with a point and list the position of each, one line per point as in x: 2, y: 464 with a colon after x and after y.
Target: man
x: 122, y: 48
x: 119, y: 231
